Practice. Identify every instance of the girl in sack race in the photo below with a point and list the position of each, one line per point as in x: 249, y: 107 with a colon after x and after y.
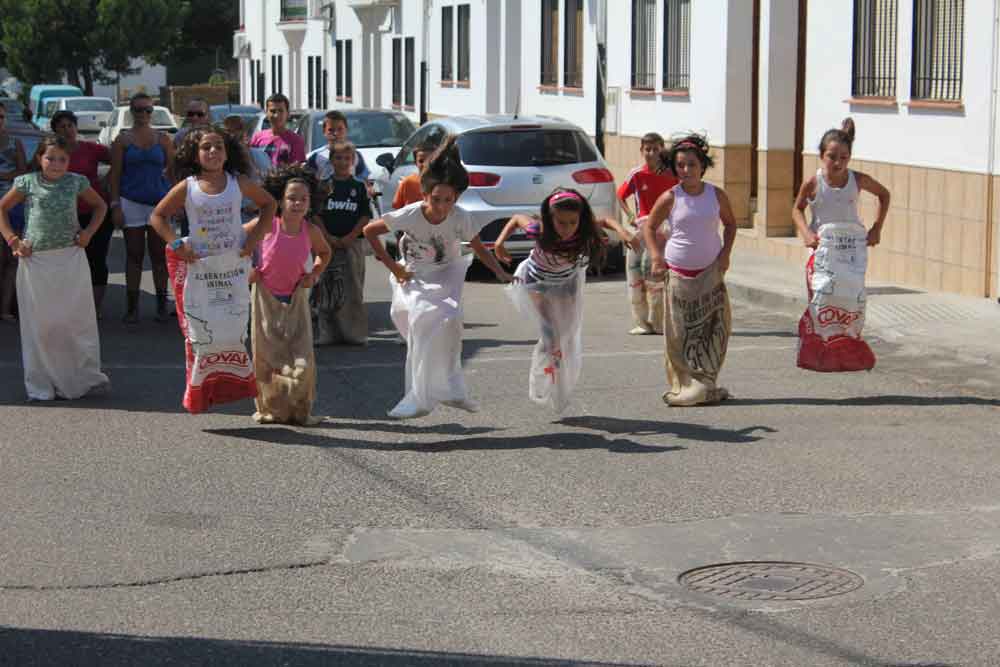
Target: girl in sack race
x: 210, y: 268
x: 281, y: 330
x: 697, y: 318
x: 548, y: 288
x: 830, y: 329
x: 427, y: 285
x: 60, y: 348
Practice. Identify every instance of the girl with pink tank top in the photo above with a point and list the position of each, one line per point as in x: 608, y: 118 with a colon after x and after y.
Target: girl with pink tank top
x: 697, y: 319
x: 281, y: 341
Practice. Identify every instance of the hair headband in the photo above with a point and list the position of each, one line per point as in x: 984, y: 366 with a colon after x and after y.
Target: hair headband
x: 563, y: 196
x: 688, y: 145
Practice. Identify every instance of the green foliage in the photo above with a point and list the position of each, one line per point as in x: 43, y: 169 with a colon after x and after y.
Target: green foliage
x: 83, y: 38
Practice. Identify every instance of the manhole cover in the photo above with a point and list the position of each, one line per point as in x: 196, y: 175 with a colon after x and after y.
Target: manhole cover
x: 771, y: 580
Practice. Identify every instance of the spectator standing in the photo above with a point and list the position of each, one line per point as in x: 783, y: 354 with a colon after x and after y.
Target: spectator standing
x: 12, y: 165
x: 281, y: 144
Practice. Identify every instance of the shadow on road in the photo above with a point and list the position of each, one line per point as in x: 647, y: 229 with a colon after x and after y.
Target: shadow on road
x: 688, y: 431
x: 555, y: 441
x: 869, y: 401
x: 43, y: 648
x: 765, y: 334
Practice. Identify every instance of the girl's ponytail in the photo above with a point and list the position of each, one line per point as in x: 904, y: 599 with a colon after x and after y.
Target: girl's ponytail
x: 845, y: 136
x: 445, y: 167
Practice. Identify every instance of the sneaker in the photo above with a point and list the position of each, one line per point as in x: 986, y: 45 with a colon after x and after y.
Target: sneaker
x: 640, y: 331
x: 466, y: 404
x: 407, y: 410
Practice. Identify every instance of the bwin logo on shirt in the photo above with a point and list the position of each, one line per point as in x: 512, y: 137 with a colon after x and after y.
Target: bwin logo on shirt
x: 351, y: 206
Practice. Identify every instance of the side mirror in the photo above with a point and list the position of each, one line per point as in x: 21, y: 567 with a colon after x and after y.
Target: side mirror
x: 385, y: 160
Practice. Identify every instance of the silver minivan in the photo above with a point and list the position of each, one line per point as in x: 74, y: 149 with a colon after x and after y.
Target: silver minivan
x: 513, y: 164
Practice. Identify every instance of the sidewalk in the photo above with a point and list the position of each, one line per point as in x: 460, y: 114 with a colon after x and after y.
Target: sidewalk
x: 937, y: 322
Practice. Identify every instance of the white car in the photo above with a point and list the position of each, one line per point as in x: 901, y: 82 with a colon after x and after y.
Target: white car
x: 121, y: 119
x: 92, y: 113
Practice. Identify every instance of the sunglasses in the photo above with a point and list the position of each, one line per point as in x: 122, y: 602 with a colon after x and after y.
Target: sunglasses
x: 193, y: 114
x: 142, y: 110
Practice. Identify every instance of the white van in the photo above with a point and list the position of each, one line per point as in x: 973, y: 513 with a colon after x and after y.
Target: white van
x: 92, y: 113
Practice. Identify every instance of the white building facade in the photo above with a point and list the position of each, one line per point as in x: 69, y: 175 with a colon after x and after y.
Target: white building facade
x: 763, y: 79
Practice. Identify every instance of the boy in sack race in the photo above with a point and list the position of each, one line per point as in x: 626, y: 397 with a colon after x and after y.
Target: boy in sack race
x: 210, y: 269
x: 830, y: 329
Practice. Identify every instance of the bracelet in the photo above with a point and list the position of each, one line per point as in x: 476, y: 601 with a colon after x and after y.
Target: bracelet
x: 177, y: 243
x: 14, y: 238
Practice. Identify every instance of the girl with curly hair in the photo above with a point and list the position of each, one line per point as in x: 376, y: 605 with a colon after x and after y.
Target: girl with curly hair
x: 548, y: 287
x: 281, y: 330
x: 697, y: 319
x: 211, y: 193
x: 427, y: 286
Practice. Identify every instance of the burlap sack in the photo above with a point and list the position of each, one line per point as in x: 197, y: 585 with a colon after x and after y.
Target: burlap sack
x: 697, y: 324
x: 283, y: 358
x: 338, y: 299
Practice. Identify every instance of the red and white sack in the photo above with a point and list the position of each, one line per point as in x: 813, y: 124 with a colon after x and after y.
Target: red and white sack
x: 213, y: 308
x: 830, y: 329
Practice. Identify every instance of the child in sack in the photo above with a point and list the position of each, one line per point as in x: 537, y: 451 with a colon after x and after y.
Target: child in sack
x: 427, y: 285
x: 339, y: 296
x: 281, y: 335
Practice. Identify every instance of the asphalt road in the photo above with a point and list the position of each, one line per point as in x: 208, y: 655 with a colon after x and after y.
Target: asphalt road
x: 133, y: 533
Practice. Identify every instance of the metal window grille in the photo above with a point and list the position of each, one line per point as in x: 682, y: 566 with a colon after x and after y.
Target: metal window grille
x: 274, y: 74
x: 253, y: 79
x: 338, y: 68
x: 676, y: 45
x: 938, y: 43
x: 319, y: 80
x: 644, y: 44
x: 874, y: 52
x: 348, y: 69
x: 550, y: 43
x: 447, y: 19
x: 326, y: 82
x: 281, y: 74
x: 573, y: 55
x: 409, y: 61
x: 397, y: 71
x: 464, y: 20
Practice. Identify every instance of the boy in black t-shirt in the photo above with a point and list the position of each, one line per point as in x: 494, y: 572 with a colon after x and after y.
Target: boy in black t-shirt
x: 338, y: 297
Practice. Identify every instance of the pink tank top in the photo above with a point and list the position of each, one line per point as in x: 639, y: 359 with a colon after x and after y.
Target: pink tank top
x: 283, y: 258
x: 694, y: 229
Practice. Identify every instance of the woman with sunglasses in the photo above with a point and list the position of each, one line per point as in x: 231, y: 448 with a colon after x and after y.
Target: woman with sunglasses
x: 195, y: 116
x: 141, y: 173
x: 84, y: 158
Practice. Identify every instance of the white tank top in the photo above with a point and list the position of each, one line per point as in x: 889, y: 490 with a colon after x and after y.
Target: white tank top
x: 830, y: 204
x: 215, y: 223
x: 694, y: 229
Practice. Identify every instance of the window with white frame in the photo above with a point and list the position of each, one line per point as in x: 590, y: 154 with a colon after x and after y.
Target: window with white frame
x: 938, y: 44
x: 409, y: 65
x: 676, y: 45
x: 344, y: 72
x: 397, y: 71
x: 550, y: 43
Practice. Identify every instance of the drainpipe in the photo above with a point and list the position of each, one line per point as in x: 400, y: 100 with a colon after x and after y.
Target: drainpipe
x: 601, y: 32
x: 991, y: 160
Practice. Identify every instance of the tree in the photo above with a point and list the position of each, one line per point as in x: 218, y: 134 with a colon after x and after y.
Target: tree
x: 87, y: 39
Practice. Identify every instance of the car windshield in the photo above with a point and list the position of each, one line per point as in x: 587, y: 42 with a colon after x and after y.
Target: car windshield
x: 248, y: 114
x: 370, y: 130
x: 90, y: 105
x: 525, y: 148
x: 293, y: 119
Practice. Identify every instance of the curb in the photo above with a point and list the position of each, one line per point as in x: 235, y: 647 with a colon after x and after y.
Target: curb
x: 783, y: 302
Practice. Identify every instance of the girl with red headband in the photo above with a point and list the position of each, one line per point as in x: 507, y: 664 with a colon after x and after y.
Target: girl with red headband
x: 696, y: 304
x: 549, y: 287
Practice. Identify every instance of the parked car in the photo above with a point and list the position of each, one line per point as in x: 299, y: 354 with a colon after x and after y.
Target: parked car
x: 514, y: 163
x: 121, y: 119
x: 372, y: 131
x: 42, y: 94
x: 15, y: 114
x: 249, y: 114
x: 293, y: 119
x: 92, y: 113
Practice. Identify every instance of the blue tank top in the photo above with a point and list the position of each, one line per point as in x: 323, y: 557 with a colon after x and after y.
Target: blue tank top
x: 143, y: 180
